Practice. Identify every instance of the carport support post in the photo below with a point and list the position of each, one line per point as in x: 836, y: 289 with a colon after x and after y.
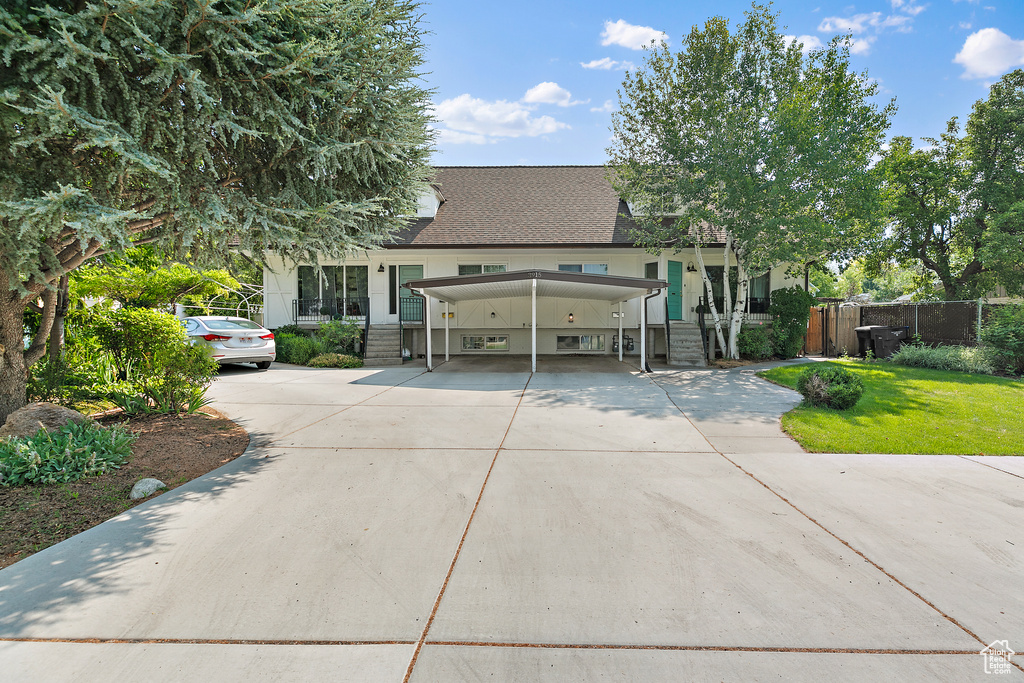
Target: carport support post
x: 446, y: 331
x: 643, y: 335
x: 620, y: 332
x: 533, y: 327
x: 426, y: 323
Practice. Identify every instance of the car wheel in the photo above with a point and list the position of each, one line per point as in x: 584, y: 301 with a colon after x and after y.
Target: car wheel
x: 263, y: 364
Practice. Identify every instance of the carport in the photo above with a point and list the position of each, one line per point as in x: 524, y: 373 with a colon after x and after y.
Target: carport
x: 534, y: 284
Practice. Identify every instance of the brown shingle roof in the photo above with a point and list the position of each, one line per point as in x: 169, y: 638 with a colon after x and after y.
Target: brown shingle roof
x: 522, y: 206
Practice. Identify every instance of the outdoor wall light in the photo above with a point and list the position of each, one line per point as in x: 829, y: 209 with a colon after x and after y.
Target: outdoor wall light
x: 690, y: 267
x: 380, y: 268
x: 492, y: 314
x: 570, y: 317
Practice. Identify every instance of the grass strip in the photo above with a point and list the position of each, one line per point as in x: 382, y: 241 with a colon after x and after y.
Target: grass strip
x: 912, y: 410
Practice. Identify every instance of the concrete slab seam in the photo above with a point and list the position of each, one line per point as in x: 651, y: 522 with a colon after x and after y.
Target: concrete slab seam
x: 860, y: 554
x: 978, y: 462
x: 326, y: 417
x: 462, y: 541
x: 703, y: 648
x: 203, y: 641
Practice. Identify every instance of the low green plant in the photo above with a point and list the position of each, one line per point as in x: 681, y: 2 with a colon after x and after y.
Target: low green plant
x: 979, y: 360
x: 1004, y: 332
x: 293, y: 330
x: 64, y: 455
x: 830, y: 386
x: 338, y: 336
x: 177, y: 378
x: 790, y: 309
x: 296, y: 350
x: 335, y: 360
x: 756, y: 343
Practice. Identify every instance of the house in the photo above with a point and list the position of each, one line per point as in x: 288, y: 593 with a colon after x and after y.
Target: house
x: 484, y: 241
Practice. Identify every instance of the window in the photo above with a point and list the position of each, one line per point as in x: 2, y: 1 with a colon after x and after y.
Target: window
x: 343, y: 290
x: 758, y: 296
x: 651, y: 270
x: 579, y: 342
x: 478, y: 268
x: 232, y: 325
x: 492, y: 342
x: 593, y: 268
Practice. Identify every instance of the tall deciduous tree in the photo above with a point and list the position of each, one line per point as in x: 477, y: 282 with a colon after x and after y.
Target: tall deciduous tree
x: 956, y: 206
x: 293, y: 125
x: 742, y: 138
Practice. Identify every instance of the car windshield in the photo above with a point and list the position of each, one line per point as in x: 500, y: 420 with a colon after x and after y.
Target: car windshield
x: 231, y: 325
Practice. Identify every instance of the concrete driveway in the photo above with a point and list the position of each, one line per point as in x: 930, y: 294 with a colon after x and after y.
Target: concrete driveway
x: 584, y: 523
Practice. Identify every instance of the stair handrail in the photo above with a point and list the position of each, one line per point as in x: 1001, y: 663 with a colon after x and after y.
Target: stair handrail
x: 668, y: 334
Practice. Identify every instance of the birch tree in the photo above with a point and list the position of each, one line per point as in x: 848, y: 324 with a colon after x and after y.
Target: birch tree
x: 744, y: 140
x: 293, y: 125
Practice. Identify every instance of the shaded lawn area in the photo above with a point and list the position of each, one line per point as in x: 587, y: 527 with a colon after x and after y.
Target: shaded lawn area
x: 912, y: 410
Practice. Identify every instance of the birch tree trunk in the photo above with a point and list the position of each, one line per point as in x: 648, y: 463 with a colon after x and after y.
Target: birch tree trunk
x: 742, y: 291
x: 711, y: 298
x: 726, y: 287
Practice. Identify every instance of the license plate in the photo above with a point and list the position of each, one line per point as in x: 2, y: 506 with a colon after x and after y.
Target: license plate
x: 245, y: 340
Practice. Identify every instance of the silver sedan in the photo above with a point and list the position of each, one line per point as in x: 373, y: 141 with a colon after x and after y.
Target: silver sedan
x: 232, y: 340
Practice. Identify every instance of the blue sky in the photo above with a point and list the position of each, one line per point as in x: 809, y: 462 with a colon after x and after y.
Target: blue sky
x: 532, y: 82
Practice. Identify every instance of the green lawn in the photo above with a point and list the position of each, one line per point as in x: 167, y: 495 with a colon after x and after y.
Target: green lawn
x: 912, y: 410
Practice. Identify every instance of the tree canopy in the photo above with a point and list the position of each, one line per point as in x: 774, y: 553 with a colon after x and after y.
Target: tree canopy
x: 956, y: 206
x: 293, y: 125
x: 742, y: 133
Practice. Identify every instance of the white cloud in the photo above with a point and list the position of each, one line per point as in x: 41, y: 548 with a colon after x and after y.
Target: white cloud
x: 628, y: 35
x: 809, y: 42
x: 472, y: 120
x: 966, y: 25
x: 989, y: 52
x: 608, y: 106
x: 607, y: 63
x: 859, y: 23
x: 861, y: 46
x: 454, y: 137
x: 908, y: 7
x: 550, y: 93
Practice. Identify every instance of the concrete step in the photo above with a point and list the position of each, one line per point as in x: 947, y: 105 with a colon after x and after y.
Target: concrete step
x: 381, y: 362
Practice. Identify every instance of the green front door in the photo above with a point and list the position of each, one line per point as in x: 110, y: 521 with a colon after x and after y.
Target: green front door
x: 411, y: 307
x: 675, y: 290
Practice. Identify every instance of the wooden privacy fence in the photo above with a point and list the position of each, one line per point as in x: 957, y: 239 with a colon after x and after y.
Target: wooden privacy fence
x: 831, y: 330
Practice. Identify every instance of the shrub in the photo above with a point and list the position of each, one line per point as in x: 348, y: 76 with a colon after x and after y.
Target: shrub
x: 830, y: 386
x: 177, y: 378
x: 338, y: 336
x: 73, y: 452
x: 959, y: 358
x: 293, y: 330
x: 790, y: 309
x: 133, y: 335
x: 297, y: 350
x: 756, y: 343
x: 335, y: 360
x: 1004, y: 332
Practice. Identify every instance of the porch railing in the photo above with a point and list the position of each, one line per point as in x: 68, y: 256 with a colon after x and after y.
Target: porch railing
x: 410, y: 309
x: 317, y: 310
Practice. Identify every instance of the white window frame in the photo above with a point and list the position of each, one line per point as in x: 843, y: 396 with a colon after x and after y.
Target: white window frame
x: 503, y: 266
x: 583, y: 267
x: 580, y: 349
x: 488, y: 339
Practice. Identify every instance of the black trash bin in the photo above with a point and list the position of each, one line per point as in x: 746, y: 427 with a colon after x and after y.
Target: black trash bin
x: 888, y: 339
x: 883, y: 340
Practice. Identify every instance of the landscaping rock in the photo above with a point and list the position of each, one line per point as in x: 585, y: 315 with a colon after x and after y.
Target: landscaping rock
x: 146, y: 487
x: 35, y: 416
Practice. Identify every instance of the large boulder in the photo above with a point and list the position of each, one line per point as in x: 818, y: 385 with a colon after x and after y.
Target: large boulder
x: 35, y: 416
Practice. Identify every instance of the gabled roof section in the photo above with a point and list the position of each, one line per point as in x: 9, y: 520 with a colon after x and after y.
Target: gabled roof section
x: 521, y: 206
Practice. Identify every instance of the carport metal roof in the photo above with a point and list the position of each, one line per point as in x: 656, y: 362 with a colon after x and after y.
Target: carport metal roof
x: 533, y: 284
x: 550, y: 283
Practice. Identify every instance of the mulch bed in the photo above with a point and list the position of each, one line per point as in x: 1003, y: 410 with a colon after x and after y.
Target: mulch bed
x: 173, y: 449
